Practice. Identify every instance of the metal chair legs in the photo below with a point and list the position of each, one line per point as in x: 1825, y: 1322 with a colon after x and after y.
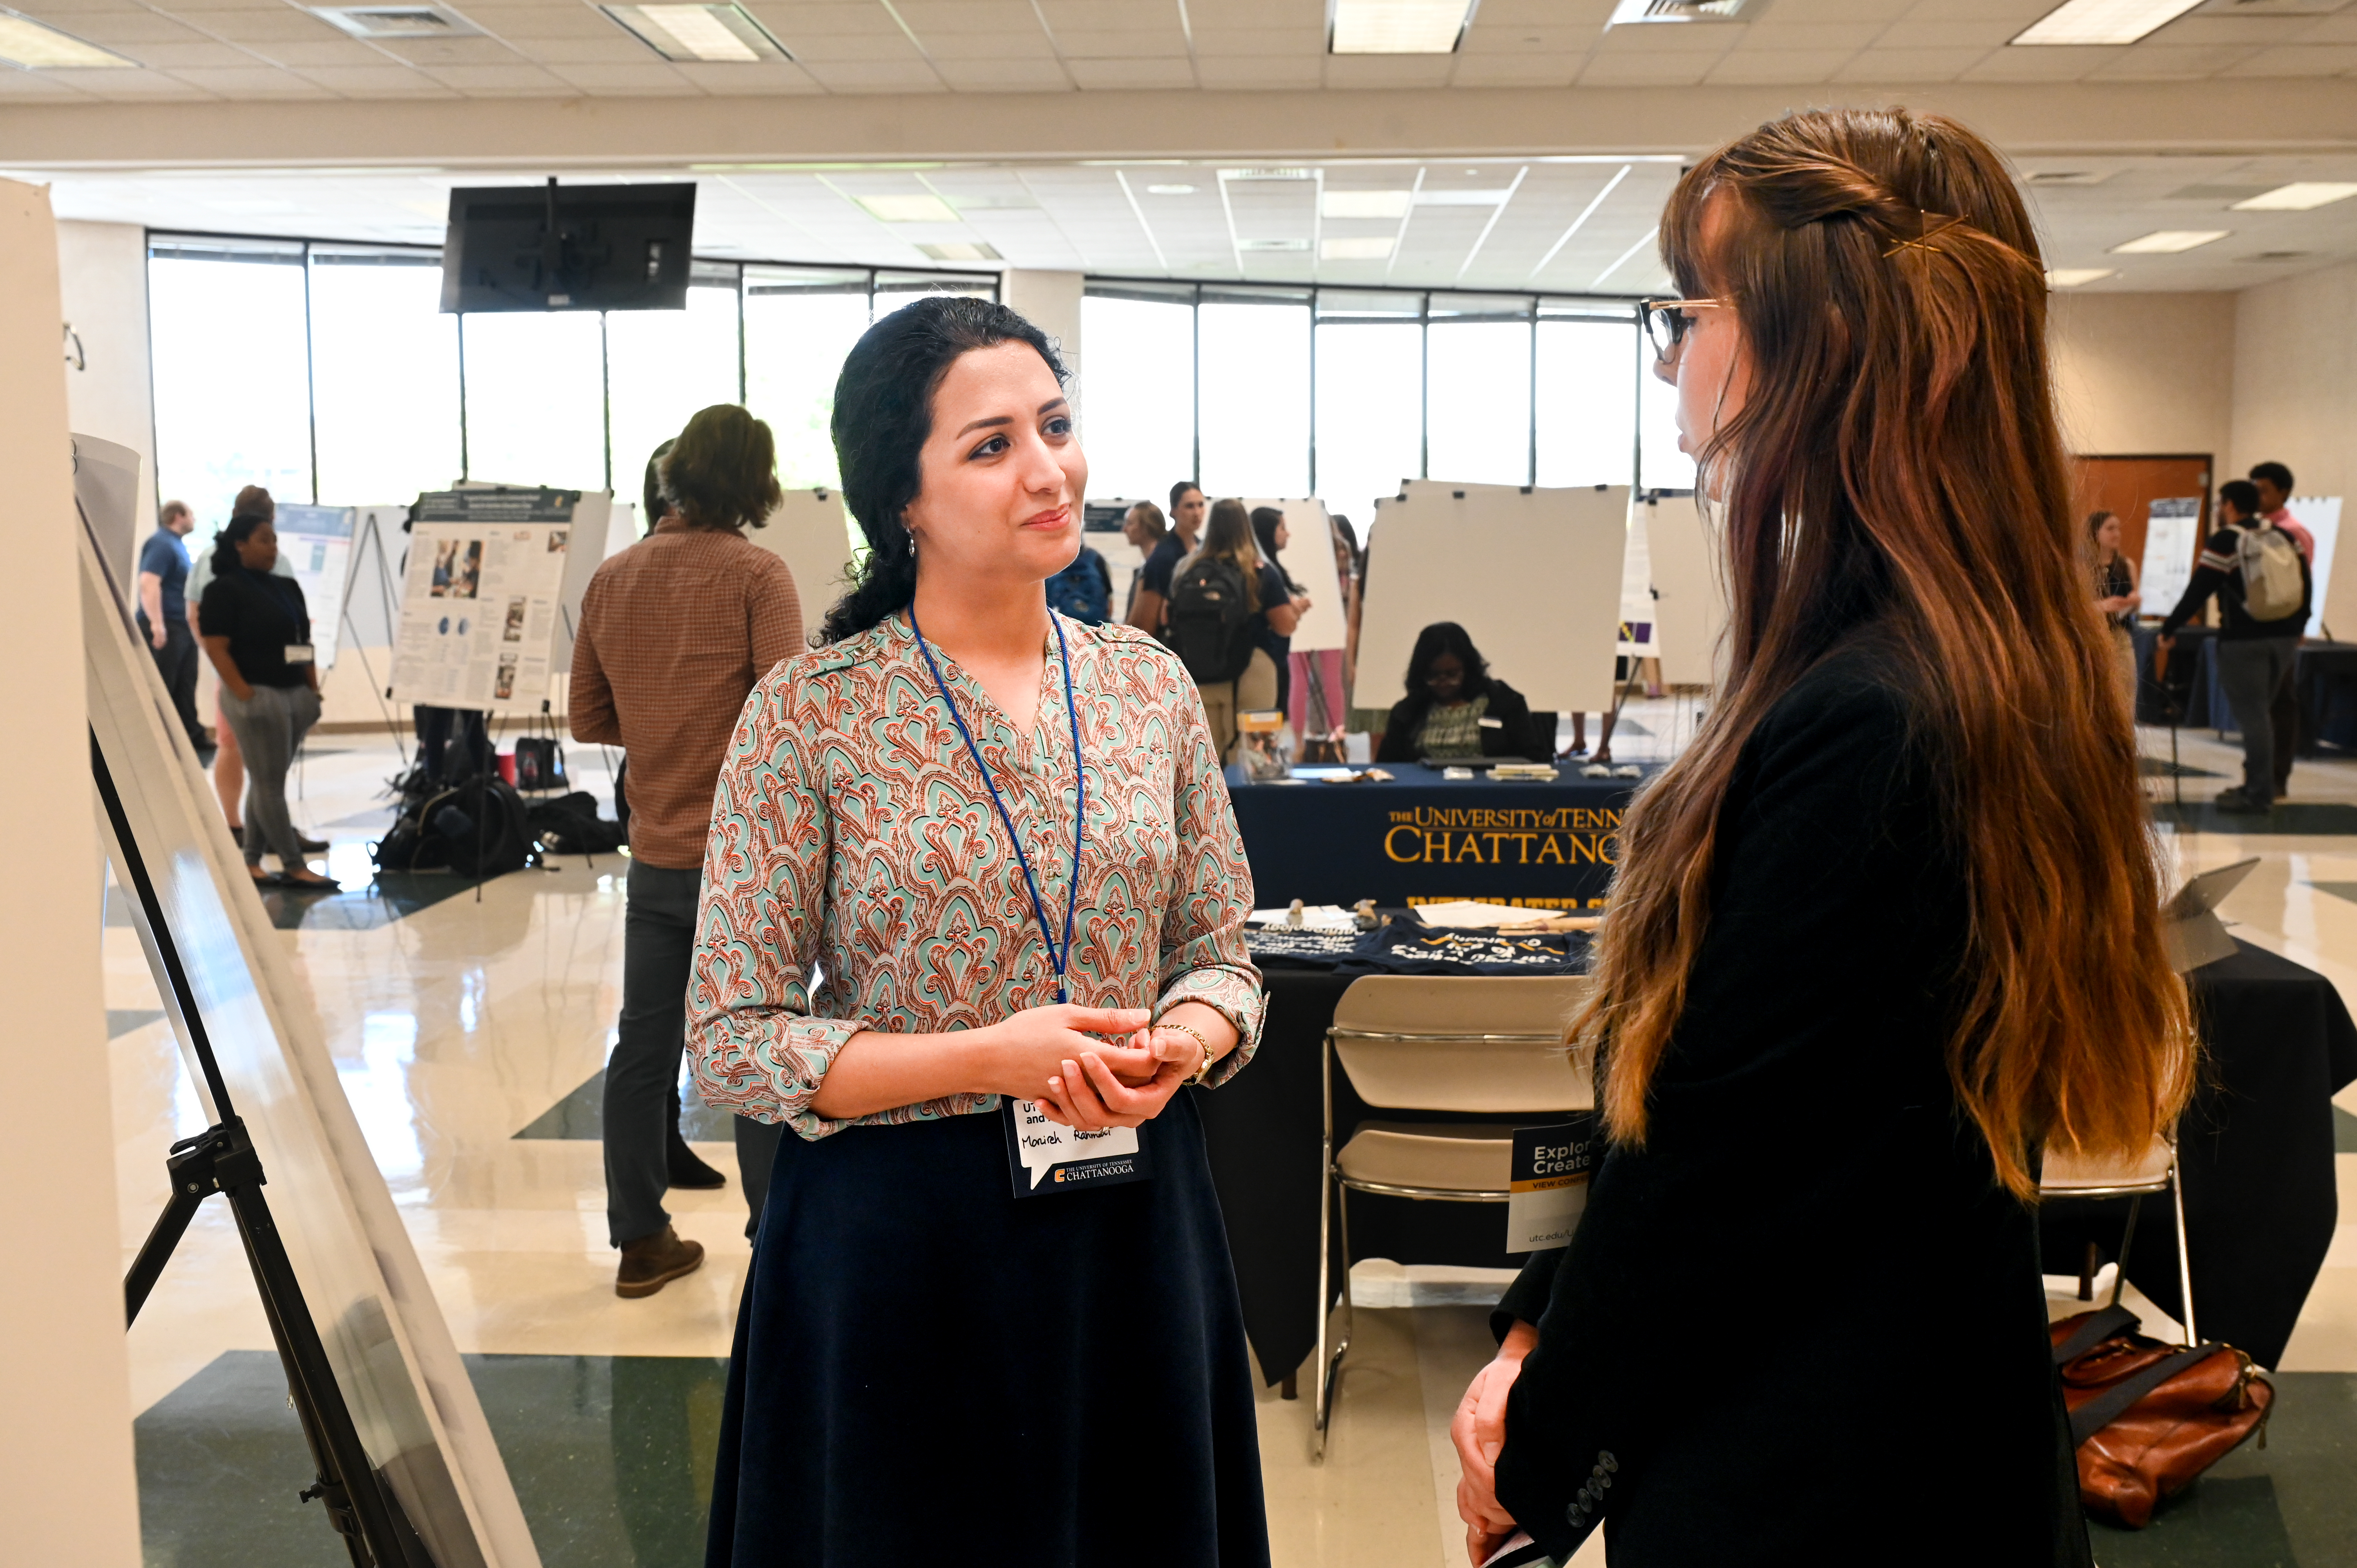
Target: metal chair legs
x: 2184, y: 1254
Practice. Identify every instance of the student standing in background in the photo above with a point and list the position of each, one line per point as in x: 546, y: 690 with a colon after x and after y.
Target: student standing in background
x: 2274, y: 483
x: 1144, y: 527
x: 2254, y: 656
x: 674, y: 631
x: 2116, y: 595
x: 1271, y: 535
x: 1228, y: 564
x: 164, y: 617
x: 1149, y: 609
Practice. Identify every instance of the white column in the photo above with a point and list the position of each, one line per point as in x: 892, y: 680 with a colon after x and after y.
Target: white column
x: 67, y: 1490
x: 1052, y: 302
x: 103, y: 284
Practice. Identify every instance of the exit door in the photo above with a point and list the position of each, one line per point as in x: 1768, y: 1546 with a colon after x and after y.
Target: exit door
x: 2126, y: 486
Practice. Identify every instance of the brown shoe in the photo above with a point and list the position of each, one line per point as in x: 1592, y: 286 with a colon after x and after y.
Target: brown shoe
x: 652, y: 1261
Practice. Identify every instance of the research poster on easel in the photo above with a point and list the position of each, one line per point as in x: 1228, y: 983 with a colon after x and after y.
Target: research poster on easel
x: 485, y: 613
x: 316, y: 543
x: 2172, y: 536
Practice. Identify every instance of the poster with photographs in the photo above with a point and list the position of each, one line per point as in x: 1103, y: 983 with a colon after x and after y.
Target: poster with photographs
x: 486, y: 616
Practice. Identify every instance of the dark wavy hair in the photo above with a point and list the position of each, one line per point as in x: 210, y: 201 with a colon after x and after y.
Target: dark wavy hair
x: 1445, y: 637
x: 883, y: 414
x: 722, y: 470
x: 252, y: 508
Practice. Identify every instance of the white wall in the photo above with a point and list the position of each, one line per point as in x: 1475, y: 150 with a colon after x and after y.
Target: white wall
x: 2296, y: 380
x: 1052, y: 301
x: 2145, y: 374
x: 67, y: 1486
x: 102, y: 287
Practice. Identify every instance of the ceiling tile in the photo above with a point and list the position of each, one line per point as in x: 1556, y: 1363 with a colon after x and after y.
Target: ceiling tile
x: 1909, y: 65
x: 1841, y: 10
x: 2166, y: 62
x: 1388, y: 70
x: 172, y: 56
x: 1095, y: 74
x: 281, y: 22
x: 824, y: 19
x: 2067, y: 64
x: 1774, y: 35
x: 438, y: 52
x: 1778, y: 67
x: 1109, y: 15
x: 744, y: 81
x: 648, y: 77
x: 31, y: 86
x: 1681, y: 69
x: 615, y: 49
x: 2340, y: 30
x: 1004, y: 75
x: 1141, y: 43
x: 255, y: 82
x: 930, y: 16
x: 120, y: 28
x: 111, y: 84
x: 497, y: 80
x: 2262, y: 31
x: 909, y: 74
x: 386, y: 81
x: 1308, y: 42
x: 1915, y: 33
x: 550, y: 22
x: 2307, y: 60
x: 848, y: 47
x: 1248, y: 71
x: 1513, y: 38
x: 1532, y: 69
x: 306, y: 52
x: 1667, y: 38
x: 1027, y: 43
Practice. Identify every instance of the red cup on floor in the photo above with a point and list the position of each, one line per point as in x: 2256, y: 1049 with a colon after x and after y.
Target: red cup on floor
x: 507, y: 767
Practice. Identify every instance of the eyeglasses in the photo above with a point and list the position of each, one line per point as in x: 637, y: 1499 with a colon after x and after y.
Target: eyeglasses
x: 1667, y: 322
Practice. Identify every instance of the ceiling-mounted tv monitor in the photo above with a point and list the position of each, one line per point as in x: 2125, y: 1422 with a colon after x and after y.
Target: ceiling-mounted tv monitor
x: 576, y: 247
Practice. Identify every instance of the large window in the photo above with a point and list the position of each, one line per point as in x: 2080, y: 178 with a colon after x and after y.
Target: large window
x: 228, y: 345
x: 1138, y: 368
x: 329, y: 373
x: 1477, y: 396
x: 384, y: 375
x: 1586, y: 385
x: 1370, y: 398
x: 1252, y: 390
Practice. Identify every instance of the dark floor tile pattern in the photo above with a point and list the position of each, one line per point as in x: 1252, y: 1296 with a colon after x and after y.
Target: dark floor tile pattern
x: 611, y: 1458
x: 2161, y: 768
x: 582, y: 1114
x: 2291, y: 817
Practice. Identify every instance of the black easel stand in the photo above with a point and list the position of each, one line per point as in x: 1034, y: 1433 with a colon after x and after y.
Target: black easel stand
x: 222, y: 1159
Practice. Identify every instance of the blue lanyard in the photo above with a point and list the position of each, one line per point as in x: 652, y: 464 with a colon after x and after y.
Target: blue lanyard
x: 1059, y: 956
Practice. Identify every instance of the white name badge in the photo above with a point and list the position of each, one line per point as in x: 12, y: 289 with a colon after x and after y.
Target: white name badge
x: 1549, y: 1184
x: 1491, y: 724
x: 1045, y: 1156
x: 298, y: 653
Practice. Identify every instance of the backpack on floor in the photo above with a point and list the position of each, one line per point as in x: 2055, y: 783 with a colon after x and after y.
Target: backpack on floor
x: 2149, y: 1418
x: 1211, y: 623
x: 2269, y: 563
x: 539, y: 763
x: 570, y: 825
x: 477, y: 829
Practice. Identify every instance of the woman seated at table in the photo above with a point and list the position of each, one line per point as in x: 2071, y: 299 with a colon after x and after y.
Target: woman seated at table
x: 1454, y: 707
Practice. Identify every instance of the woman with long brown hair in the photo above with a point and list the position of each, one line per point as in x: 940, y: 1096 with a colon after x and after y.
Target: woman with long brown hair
x: 1890, y: 928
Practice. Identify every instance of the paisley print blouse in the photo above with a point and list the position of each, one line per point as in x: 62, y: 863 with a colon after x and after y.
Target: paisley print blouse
x: 858, y: 876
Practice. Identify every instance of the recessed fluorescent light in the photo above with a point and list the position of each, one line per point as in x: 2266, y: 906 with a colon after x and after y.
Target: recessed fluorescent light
x: 2300, y: 195
x: 1170, y: 190
x: 397, y: 21
x: 37, y: 46
x: 912, y: 207
x: 1365, y: 203
x: 1370, y: 248
x: 722, y: 35
x: 1396, y: 26
x: 1628, y: 11
x: 961, y: 251
x: 1271, y: 245
x: 2102, y: 21
x: 2169, y: 241
x: 2072, y: 277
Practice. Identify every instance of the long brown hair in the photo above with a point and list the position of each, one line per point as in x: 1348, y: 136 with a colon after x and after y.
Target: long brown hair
x: 1895, y: 472
x: 1229, y: 532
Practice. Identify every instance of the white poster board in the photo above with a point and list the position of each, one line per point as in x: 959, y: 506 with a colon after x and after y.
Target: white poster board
x: 1532, y: 575
x: 1308, y: 560
x: 492, y: 594
x: 2320, y: 515
x: 2172, y: 535
x: 1637, y: 612
x: 386, y: 1340
x: 1689, y: 591
x: 812, y: 534
x: 106, y: 483
x: 316, y: 543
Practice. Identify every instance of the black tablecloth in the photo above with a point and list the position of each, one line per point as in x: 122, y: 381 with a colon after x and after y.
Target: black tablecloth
x: 2185, y: 701
x: 1423, y: 837
x: 2257, y: 1148
x: 2256, y: 1151
x: 2326, y: 680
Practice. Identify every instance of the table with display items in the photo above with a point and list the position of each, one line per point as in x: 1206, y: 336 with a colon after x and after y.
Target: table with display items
x: 2256, y: 1149
x: 1420, y: 838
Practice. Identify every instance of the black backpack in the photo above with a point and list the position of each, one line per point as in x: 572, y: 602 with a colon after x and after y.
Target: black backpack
x: 1211, y: 623
x: 477, y: 829
x: 540, y: 763
x: 570, y: 825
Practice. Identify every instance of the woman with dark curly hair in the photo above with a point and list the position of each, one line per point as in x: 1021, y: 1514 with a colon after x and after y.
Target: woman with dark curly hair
x: 1455, y: 708
x: 972, y: 914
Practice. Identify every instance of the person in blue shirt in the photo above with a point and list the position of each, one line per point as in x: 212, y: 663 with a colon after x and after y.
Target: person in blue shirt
x: 164, y: 616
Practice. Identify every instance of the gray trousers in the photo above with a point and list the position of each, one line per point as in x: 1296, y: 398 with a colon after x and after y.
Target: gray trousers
x: 270, y: 725
x: 641, y: 1114
x: 2256, y: 677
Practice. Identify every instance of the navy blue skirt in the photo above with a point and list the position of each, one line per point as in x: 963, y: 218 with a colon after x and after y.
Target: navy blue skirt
x: 927, y: 1368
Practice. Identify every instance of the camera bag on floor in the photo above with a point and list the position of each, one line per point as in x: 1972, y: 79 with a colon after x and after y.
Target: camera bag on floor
x: 477, y: 828
x: 570, y: 825
x: 539, y: 763
x: 2149, y: 1418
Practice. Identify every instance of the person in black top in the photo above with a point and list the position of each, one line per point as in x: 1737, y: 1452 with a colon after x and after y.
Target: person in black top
x: 2254, y: 656
x: 1149, y: 606
x: 1455, y: 707
x: 1888, y: 928
x: 2116, y: 595
x: 1271, y: 534
x: 257, y: 632
x: 164, y: 617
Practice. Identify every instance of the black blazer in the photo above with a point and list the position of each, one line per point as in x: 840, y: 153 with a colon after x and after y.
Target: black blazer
x: 1515, y: 735
x: 1709, y: 1381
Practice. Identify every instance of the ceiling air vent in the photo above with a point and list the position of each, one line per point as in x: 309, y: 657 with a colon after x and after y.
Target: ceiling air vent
x: 397, y: 21
x: 1631, y: 11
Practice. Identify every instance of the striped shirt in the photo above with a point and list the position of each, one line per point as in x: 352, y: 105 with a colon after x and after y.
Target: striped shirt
x: 675, y: 632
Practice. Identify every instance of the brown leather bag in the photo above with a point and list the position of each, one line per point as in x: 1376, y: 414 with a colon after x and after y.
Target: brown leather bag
x: 2149, y: 1418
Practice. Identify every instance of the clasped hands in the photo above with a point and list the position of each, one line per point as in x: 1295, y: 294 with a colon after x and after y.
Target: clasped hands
x: 1479, y: 1431
x: 1094, y: 1068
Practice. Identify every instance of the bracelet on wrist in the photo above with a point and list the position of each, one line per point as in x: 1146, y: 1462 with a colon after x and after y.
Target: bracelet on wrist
x: 1204, y: 1069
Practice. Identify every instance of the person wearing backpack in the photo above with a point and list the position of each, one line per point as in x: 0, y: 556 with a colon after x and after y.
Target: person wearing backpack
x: 2263, y: 585
x: 1083, y: 590
x: 1225, y: 601
x: 675, y: 632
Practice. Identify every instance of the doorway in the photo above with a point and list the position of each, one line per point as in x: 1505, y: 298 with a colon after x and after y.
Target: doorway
x: 2126, y: 486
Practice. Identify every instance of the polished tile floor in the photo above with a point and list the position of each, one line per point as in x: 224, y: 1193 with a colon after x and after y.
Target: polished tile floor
x: 468, y: 1027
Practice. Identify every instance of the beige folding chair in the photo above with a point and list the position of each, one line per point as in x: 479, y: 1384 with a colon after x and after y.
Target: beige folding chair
x: 1481, y: 1044
x: 2066, y: 1176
